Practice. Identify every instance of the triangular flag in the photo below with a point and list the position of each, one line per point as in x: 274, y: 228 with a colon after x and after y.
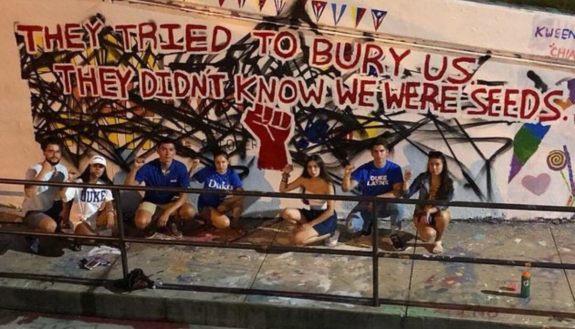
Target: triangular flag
x: 261, y: 4
x: 378, y: 16
x: 222, y: 2
x: 336, y: 17
x: 241, y: 3
x: 318, y: 7
x: 280, y: 5
x: 357, y: 13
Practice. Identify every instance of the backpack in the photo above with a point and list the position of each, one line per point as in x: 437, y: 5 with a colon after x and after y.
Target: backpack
x: 135, y: 280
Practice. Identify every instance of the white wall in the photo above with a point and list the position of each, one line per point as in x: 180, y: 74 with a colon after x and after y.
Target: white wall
x: 471, y: 138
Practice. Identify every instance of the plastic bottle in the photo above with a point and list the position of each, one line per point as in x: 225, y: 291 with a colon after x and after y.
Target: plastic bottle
x: 525, y: 284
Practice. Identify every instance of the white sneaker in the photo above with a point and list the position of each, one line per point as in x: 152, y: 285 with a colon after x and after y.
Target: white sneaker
x: 332, y: 240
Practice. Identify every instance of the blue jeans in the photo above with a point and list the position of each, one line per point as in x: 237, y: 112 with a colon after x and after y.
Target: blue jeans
x: 361, y: 217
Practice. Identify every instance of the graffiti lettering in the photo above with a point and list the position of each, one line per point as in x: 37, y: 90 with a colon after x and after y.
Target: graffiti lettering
x: 554, y: 33
x: 68, y: 37
x: 284, y: 44
x: 192, y: 38
x: 102, y: 81
x: 525, y: 104
x: 274, y: 91
x: 559, y: 52
x: 166, y: 84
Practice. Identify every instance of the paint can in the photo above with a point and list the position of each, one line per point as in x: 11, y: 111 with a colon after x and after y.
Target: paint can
x: 525, y: 284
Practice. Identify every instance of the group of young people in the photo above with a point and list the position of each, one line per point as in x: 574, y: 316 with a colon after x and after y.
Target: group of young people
x: 88, y: 210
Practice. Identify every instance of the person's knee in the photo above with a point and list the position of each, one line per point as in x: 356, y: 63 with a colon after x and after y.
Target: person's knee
x: 187, y: 212
x: 142, y: 220
x: 288, y: 214
x: 221, y: 222
x: 48, y: 226
x: 427, y: 233
x: 354, y: 223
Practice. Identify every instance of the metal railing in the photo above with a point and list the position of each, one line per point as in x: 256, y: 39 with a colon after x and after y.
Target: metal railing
x: 375, y: 254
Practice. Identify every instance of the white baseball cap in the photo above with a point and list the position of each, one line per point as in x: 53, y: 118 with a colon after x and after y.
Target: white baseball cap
x: 98, y: 159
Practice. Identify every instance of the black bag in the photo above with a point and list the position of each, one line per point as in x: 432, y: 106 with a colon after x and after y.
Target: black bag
x: 134, y: 281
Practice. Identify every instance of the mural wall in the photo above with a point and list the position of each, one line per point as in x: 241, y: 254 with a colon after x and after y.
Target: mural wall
x: 113, y: 78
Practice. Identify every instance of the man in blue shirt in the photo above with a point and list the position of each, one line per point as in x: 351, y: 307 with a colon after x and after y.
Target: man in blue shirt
x: 158, y: 206
x: 381, y: 178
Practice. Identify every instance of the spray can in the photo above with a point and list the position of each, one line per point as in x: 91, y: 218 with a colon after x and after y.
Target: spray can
x: 525, y: 284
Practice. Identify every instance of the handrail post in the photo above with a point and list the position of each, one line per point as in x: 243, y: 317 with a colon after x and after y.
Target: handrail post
x: 374, y: 257
x: 121, y: 236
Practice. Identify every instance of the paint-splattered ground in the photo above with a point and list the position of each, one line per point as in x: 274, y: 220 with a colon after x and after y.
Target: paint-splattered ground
x: 456, y: 284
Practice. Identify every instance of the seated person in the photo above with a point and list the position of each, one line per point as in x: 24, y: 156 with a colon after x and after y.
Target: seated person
x: 42, y: 206
x: 165, y: 209
x: 320, y: 221
x: 382, y: 178
x: 434, y: 184
x: 91, y: 208
x: 215, y: 208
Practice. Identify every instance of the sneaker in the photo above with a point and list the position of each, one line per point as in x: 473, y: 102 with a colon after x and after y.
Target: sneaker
x: 34, y: 244
x: 332, y: 240
x: 398, y: 244
x: 173, y: 229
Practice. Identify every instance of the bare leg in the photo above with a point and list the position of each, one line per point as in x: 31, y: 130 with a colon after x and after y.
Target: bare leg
x: 293, y: 217
x: 309, y: 236
x: 441, y: 223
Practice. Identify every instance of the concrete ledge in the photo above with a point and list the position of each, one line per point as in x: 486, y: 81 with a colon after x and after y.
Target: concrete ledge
x: 136, y: 306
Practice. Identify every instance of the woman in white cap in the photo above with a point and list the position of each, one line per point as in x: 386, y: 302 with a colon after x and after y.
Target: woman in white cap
x: 92, y: 208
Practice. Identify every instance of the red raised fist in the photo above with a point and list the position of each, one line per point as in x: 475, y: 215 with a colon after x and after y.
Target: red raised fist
x: 272, y: 128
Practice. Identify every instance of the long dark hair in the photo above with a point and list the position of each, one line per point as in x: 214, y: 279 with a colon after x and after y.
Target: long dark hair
x: 445, y: 181
x: 322, y: 172
x: 86, y: 176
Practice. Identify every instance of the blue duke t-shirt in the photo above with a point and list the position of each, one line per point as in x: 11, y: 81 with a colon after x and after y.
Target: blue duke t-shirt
x: 213, y: 180
x: 151, y: 173
x: 375, y: 181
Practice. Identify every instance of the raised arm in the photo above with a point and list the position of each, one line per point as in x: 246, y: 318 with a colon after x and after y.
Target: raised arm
x: 131, y: 178
x: 31, y: 190
x: 347, y: 184
x: 284, y: 185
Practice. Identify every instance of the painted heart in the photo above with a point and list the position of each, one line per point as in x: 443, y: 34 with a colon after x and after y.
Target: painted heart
x: 536, y: 185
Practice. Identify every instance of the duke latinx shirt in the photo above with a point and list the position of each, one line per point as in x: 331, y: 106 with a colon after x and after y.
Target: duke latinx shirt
x: 375, y: 181
x: 211, y: 179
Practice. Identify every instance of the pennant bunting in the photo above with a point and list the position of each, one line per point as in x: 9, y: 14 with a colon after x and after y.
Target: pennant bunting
x: 336, y: 16
x: 221, y: 2
x: 261, y: 4
x: 241, y: 3
x: 280, y: 5
x: 318, y: 7
x: 378, y: 16
x: 357, y: 13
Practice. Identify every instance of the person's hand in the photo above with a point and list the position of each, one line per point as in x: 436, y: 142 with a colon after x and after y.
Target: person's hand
x: 407, y: 175
x: 163, y: 220
x: 138, y: 163
x: 288, y: 169
x: 47, y: 166
x: 421, y: 218
x: 195, y: 163
x: 72, y: 175
x: 348, y: 169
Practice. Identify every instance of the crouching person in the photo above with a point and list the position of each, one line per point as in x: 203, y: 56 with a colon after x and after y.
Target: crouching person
x: 220, y: 210
x: 91, y: 209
